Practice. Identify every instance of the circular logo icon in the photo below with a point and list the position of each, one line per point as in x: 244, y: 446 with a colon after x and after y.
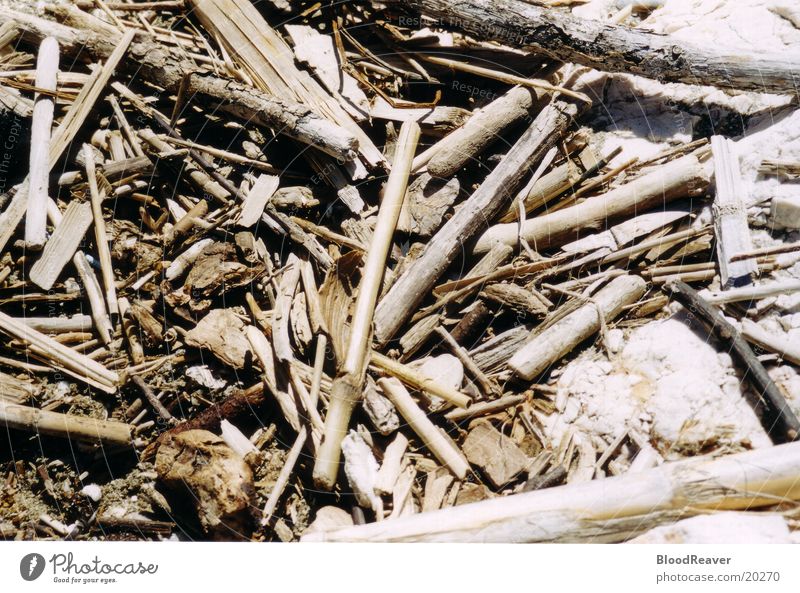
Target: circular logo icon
x: 31, y: 566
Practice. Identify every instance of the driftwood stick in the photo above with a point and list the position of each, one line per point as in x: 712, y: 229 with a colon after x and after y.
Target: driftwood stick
x: 613, y: 48
x: 347, y: 387
x: 135, y: 347
x: 102, y: 322
x: 755, y: 334
x: 68, y: 426
x: 41, y: 128
x: 100, y: 236
x: 778, y: 420
x: 455, y: 150
x: 610, y: 510
x: 730, y: 216
x: 487, y: 387
x: 417, y: 381
x: 750, y: 293
x: 62, y: 245
x: 773, y: 250
x: 284, y: 476
x: 432, y: 436
x: 152, y: 399
x: 677, y: 179
x: 400, y: 303
x: 556, y: 341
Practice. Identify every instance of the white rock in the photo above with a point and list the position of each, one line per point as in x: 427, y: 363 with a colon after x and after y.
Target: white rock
x: 785, y: 212
x: 721, y: 528
x: 92, y: 491
x: 444, y: 368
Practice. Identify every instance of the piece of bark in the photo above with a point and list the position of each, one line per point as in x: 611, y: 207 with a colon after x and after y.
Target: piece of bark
x: 380, y: 410
x: 411, y: 288
x: 256, y: 200
x: 41, y: 124
x: 222, y: 332
x: 426, y: 203
x: 556, y: 341
x: 610, y: 510
x: 778, y: 419
x: 166, y: 68
x: 680, y: 178
x: 516, y: 297
x: 69, y: 426
x: 219, y: 482
x: 495, y: 454
x: 730, y: 216
x: 613, y: 48
x: 62, y: 245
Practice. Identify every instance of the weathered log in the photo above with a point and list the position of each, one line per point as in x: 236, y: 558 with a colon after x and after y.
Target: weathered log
x: 609, y: 510
x: 614, y: 48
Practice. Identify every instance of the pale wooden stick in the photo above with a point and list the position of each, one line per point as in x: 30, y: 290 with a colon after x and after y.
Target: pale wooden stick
x: 41, y: 128
x: 392, y: 464
x: 677, y: 179
x: 102, y: 322
x: 747, y: 293
x: 608, y: 510
x: 346, y: 390
x: 416, y: 380
x: 730, y: 216
x: 785, y: 348
x: 284, y: 476
x: 505, y: 77
x: 100, y: 236
x: 487, y: 387
x: 134, y: 344
x: 62, y: 245
x: 231, y: 157
x: 774, y: 250
x: 432, y: 436
x: 78, y: 363
x: 560, y: 338
x: 57, y: 325
x: 68, y: 426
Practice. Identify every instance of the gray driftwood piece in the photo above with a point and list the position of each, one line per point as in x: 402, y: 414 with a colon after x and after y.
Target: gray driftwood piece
x: 62, y: 244
x: 730, y: 216
x: 614, y: 48
x: 499, y: 186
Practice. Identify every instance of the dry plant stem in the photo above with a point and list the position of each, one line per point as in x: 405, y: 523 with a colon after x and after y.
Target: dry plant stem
x: 432, y: 436
x: 487, y: 387
x: 556, y: 341
x: 347, y: 386
x: 163, y: 67
x: 100, y: 236
x: 610, y: 510
x: 677, y: 179
x: 102, y: 322
x: 284, y: 476
x: 613, y: 48
x: 774, y: 250
x: 57, y: 353
x: 417, y: 381
x: 504, y: 77
x: 658, y: 242
x: 485, y: 408
x: 67, y: 426
x: 730, y: 216
x: 399, y: 304
x: 41, y: 127
x: 778, y: 420
x: 755, y: 334
x: 57, y: 325
x: 152, y: 399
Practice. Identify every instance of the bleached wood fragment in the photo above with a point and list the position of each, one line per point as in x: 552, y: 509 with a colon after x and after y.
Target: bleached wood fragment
x: 67, y: 426
x: 62, y: 245
x: 257, y: 198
